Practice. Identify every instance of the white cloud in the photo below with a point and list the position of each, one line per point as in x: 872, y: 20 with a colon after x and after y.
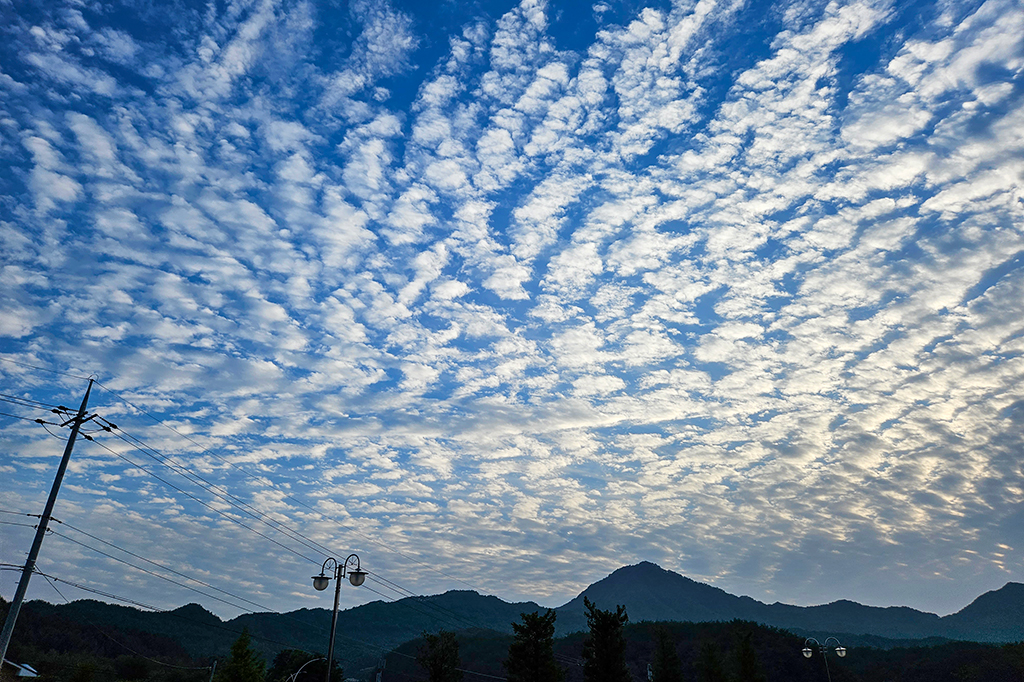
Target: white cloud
x: 632, y: 290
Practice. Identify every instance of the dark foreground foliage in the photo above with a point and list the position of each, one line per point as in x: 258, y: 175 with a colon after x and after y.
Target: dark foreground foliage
x: 65, y: 649
x: 741, y: 651
x: 69, y: 650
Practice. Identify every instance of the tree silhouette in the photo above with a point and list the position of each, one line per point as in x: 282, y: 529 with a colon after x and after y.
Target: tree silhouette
x: 531, y: 656
x: 748, y: 665
x: 244, y: 664
x: 440, y: 657
x: 666, y: 666
x: 313, y: 666
x: 604, y: 649
x: 709, y: 664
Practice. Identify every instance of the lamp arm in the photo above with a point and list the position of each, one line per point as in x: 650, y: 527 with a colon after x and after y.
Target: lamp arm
x: 348, y: 559
x: 323, y: 569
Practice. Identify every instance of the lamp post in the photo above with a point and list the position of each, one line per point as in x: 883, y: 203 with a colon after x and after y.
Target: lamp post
x: 808, y: 651
x: 356, y: 576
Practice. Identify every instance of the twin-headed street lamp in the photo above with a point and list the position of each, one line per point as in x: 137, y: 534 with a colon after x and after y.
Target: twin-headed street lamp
x: 808, y: 651
x: 356, y: 576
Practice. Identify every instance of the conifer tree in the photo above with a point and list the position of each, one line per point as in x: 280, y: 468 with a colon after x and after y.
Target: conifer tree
x: 244, y: 664
x: 531, y: 656
x: 666, y: 666
x: 604, y: 649
x: 709, y: 664
x: 748, y: 666
x: 440, y: 657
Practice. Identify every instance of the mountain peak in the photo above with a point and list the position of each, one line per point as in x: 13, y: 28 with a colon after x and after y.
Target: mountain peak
x: 652, y: 593
x: 195, y: 612
x: 996, y: 602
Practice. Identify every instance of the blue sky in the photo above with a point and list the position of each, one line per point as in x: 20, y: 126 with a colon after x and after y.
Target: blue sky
x: 510, y: 295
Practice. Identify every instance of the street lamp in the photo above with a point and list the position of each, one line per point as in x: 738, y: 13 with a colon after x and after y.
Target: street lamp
x: 808, y: 651
x: 356, y: 576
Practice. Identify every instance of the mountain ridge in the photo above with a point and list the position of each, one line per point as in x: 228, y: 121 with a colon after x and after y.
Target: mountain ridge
x: 649, y: 593
x: 996, y: 616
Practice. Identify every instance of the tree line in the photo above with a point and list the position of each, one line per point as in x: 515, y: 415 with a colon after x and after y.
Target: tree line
x: 531, y: 655
x: 611, y: 649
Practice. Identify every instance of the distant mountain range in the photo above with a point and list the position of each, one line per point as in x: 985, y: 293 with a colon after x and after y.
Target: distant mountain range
x: 648, y: 592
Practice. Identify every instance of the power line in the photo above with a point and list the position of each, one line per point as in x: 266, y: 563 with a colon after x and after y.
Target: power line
x: 236, y: 521
x: 178, y: 573
x: 256, y: 514
x: 205, y: 584
x: 211, y: 508
x: 240, y: 505
x: 462, y: 670
x: 122, y: 644
x: 147, y: 571
x: 287, y: 496
x: 14, y: 523
x: 148, y: 607
x: 28, y: 402
x: 219, y: 491
x: 28, y: 419
x: 44, y: 369
x: 295, y: 535
x: 166, y: 568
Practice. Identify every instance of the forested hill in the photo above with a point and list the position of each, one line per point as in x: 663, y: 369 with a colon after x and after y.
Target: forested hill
x: 363, y: 632
x: 648, y: 592
x: 64, y: 648
x: 652, y: 593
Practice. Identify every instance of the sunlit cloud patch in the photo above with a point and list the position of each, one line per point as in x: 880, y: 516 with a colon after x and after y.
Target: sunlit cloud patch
x: 523, y: 292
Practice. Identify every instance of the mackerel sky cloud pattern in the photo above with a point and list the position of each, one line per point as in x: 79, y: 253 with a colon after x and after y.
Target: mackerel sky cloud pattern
x: 525, y: 292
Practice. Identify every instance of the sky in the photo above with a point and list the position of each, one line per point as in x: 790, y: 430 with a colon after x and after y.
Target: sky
x: 506, y: 296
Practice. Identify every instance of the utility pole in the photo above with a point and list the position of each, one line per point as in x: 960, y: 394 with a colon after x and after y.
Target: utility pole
x: 30, y: 565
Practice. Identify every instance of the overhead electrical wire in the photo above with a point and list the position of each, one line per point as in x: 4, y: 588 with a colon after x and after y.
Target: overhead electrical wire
x: 149, y: 572
x: 122, y: 644
x: 148, y: 607
x: 461, y: 670
x: 162, y: 566
x: 319, y: 629
x: 450, y: 615
x: 236, y: 502
x: 14, y: 523
x: 28, y: 419
x: 45, y: 369
x: 178, y: 573
x: 28, y: 402
x: 253, y: 477
x: 237, y: 522
x: 287, y: 496
x: 247, y: 509
x: 306, y: 624
x: 208, y: 506
x: 218, y: 491
x: 187, y: 577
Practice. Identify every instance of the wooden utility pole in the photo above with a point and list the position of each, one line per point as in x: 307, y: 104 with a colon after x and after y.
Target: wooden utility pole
x: 30, y: 565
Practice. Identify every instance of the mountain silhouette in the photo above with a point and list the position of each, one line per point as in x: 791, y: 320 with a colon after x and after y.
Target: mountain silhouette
x: 649, y: 593
x: 996, y: 616
x: 652, y: 593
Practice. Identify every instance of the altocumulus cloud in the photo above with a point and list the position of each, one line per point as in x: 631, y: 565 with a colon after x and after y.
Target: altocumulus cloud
x: 523, y: 293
